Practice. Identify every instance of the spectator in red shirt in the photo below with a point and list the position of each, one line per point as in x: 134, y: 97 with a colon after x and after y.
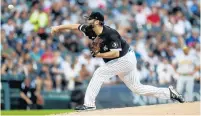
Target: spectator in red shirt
x: 47, y: 57
x: 154, y: 18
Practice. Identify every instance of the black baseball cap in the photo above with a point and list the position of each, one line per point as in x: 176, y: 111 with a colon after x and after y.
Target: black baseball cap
x: 95, y: 15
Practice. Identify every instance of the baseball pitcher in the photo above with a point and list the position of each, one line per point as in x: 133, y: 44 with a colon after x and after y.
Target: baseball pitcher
x: 119, y: 60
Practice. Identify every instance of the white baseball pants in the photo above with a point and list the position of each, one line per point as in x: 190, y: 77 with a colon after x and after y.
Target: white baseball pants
x: 187, y: 83
x: 125, y: 68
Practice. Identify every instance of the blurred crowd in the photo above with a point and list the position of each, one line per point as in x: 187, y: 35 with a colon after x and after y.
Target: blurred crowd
x: 160, y: 31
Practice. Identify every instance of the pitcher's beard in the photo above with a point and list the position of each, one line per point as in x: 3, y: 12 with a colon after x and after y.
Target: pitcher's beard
x: 90, y: 26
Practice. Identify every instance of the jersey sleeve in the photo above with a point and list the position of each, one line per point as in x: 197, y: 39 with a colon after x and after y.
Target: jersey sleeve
x: 82, y: 28
x: 115, y: 43
x: 87, y: 31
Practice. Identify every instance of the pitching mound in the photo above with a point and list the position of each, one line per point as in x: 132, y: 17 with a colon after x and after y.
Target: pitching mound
x: 164, y: 109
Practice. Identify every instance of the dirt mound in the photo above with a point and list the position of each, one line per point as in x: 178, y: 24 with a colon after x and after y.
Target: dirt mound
x: 164, y: 109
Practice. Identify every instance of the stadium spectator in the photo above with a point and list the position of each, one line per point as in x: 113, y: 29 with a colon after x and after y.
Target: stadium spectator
x: 165, y: 72
x: 35, y: 56
x: 142, y: 11
x: 56, y: 73
x: 8, y: 67
x: 154, y: 18
x: 9, y: 26
x: 194, y: 38
x: 84, y: 73
x: 47, y: 57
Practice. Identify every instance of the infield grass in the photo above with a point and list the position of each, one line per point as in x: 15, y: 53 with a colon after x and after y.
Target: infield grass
x: 33, y: 112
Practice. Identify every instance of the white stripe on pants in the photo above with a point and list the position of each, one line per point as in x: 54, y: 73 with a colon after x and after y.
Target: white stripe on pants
x: 125, y: 68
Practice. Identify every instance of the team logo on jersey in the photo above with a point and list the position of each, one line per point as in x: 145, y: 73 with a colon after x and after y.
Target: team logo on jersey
x: 105, y: 48
x: 114, y: 45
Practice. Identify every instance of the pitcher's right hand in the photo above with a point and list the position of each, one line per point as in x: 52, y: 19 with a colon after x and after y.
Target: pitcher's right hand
x: 54, y: 30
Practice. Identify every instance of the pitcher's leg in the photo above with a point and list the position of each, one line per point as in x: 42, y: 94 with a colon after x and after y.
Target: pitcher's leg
x: 94, y: 87
x: 132, y: 80
x: 101, y: 74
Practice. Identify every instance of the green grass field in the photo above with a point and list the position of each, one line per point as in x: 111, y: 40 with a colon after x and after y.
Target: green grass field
x: 34, y: 112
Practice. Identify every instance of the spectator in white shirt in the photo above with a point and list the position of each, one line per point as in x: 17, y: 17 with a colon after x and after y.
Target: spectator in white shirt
x: 165, y: 72
x: 71, y: 72
x: 9, y: 27
x: 27, y: 27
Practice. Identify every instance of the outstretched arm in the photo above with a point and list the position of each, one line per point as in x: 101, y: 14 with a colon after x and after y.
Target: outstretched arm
x: 60, y: 28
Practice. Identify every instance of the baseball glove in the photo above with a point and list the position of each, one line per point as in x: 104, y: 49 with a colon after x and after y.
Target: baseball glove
x: 95, y: 46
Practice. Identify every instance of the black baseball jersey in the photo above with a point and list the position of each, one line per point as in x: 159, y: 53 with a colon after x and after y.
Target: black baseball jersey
x: 29, y: 91
x: 111, y: 40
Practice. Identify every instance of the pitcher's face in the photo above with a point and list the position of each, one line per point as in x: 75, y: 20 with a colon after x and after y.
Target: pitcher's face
x: 90, y: 22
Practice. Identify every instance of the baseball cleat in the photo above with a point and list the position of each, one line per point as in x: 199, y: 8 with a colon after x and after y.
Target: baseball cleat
x: 83, y: 107
x: 174, y: 95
